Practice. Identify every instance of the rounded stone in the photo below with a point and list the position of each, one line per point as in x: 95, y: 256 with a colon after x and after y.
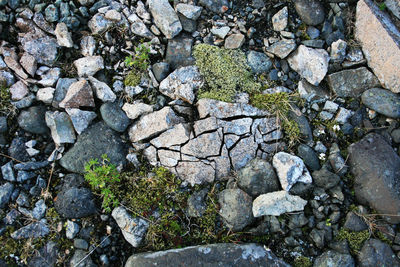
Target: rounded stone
x: 33, y: 120
x: 311, y: 12
x: 114, y: 116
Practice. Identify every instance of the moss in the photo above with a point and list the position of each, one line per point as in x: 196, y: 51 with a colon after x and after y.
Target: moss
x: 225, y: 71
x: 133, y: 78
x: 355, y: 239
x: 383, y: 238
x: 6, y: 107
x: 302, y: 261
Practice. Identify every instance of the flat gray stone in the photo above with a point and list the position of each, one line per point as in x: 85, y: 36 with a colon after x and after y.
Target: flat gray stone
x: 114, y: 116
x: 62, y: 130
x: 277, y: 203
x: 382, y: 101
x: 165, y: 18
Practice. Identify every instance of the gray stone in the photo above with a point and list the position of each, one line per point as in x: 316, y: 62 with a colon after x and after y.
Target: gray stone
x: 47, y: 256
x: 338, y: 51
x: 98, y: 24
x: 49, y: 77
x: 62, y: 87
x: 114, y: 116
x: 258, y: 62
x: 88, y: 66
x: 5, y: 193
x: 79, y: 94
x: 80, y: 118
x: 17, y: 149
x: 31, y: 166
x: 28, y: 62
x: 32, y: 230
x: 216, y: 6
x: 91, y: 145
x: 81, y: 244
x: 258, y: 177
x: 282, y: 48
x: 42, y: 47
x: 45, y: 95
x: 7, y: 78
x: 33, y: 120
x: 168, y: 158
x: 81, y: 257
x: 161, y: 70
x: 343, y: 115
x: 382, y: 101
x: 205, y: 145
x: 311, y: 12
x: 72, y: 229
x: 311, y: 64
x: 189, y: 11
x: 137, y: 109
x: 179, y: 52
x: 141, y: 11
x: 277, y: 203
x: 183, y: 84
x: 196, y: 203
x: 51, y: 13
x: 376, y: 169
x: 165, y: 18
x: 280, y: 20
x: 139, y: 28
x: 352, y: 83
x: 234, y: 41
x: 325, y: 179
x: 354, y: 222
x: 237, y: 127
x: 3, y: 124
x: 42, y: 23
x: 18, y: 91
x: 75, y: 203
x: 88, y: 45
x: 39, y: 210
x: 7, y: 172
x: 309, y: 157
x: 62, y: 130
x: 377, y: 253
x: 394, y: 7
x: 196, y: 172
x: 235, y: 208
x: 177, y: 135
x: 244, y: 151
x: 220, y: 32
x: 133, y: 228
x: 205, y: 125
x: 64, y: 37
x: 24, y: 176
x: 223, y: 255
x: 318, y: 237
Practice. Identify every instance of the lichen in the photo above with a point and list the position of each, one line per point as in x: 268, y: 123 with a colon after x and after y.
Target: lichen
x: 225, y: 71
x: 6, y: 108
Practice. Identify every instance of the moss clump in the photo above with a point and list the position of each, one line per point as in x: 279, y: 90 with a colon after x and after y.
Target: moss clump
x: 133, y: 78
x: 302, y: 261
x: 225, y: 71
x: 6, y: 108
x: 355, y: 239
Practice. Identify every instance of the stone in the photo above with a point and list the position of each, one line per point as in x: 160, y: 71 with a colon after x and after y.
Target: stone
x: 73, y: 202
x: 308, y: 155
x: 311, y: 92
x: 351, y: 83
x: 28, y: 62
x: 205, y: 145
x: 282, y: 48
x: 7, y: 78
x: 51, y: 13
x: 177, y: 135
x: 196, y: 172
x: 196, y: 203
x: 376, y: 169
x: 98, y: 24
x: 344, y: 115
x: 258, y: 177
x: 377, y: 253
x: 5, y: 193
x: 7, y: 172
x: 88, y: 66
x: 71, y: 230
x: 47, y: 256
x: 237, y: 127
x: 183, y: 84
x: 338, y: 51
x: 325, y: 179
x: 379, y: 39
x: 18, y: 91
x: 334, y: 259
x: 81, y: 258
x: 62, y: 130
x: 244, y: 151
x: 223, y: 255
x: 234, y: 41
x: 50, y: 76
x: 153, y: 123
x: 42, y: 47
x: 80, y: 118
x: 165, y: 18
x: 102, y: 90
x: 81, y: 243
x: 179, y: 52
x: 45, y: 95
x: 277, y: 203
x: 290, y: 170
x: 258, y: 62
x: 139, y: 28
x: 161, y: 70
x: 32, y: 230
x: 24, y: 176
x: 79, y: 94
x: 168, y: 158
x: 394, y: 7
x: 235, y: 208
x: 91, y: 145
x: 204, y: 125
x: 137, y: 109
x: 280, y: 20
x: 42, y: 23
x: 311, y: 64
x: 221, y: 32
x: 311, y: 12
x: 114, y: 116
x: 354, y: 223
x: 62, y: 87
x: 133, y: 228
x: 17, y: 149
x: 113, y: 15
x: 141, y: 11
x: 64, y: 37
x: 15, y: 66
x: 88, y: 45
x: 189, y: 11
x: 382, y: 101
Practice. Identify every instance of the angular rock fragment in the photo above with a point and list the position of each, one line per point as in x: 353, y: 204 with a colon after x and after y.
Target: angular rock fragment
x: 139, y: 28
x: 80, y: 118
x: 177, y: 135
x: 62, y: 130
x: 165, y: 18
x: 79, y: 94
x: 42, y: 47
x: 195, y: 172
x: 88, y: 66
x: 282, y: 48
x: 64, y: 37
x: 277, y: 203
x: 102, y: 90
x: 244, y: 151
x: 135, y: 110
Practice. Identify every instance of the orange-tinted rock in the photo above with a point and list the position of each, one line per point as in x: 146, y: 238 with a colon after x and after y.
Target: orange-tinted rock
x: 79, y: 94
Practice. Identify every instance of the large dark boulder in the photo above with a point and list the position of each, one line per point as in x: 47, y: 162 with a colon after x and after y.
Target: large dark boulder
x: 376, y: 253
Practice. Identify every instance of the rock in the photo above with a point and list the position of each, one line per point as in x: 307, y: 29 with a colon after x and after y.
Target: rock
x: 62, y: 87
x: 28, y: 62
x: 309, y: 157
x: 161, y: 70
x: 382, y: 101
x: 24, y: 176
x: 165, y: 18
x: 81, y: 244
x: 139, y: 28
x: 196, y: 203
x: 168, y: 158
x: 258, y: 62
x: 114, y: 116
x: 377, y: 253
x: 32, y: 230
x: 42, y: 47
x: 45, y: 95
x: 75, y: 202
x: 235, y: 208
x: 177, y: 135
x: 7, y: 78
x: 311, y: 64
x: 196, y: 172
x: 354, y: 222
x: 7, y: 172
x: 179, y: 52
x: 338, y: 51
x: 33, y: 120
x: 282, y: 48
x: 13, y: 64
x: 98, y: 24
x: 234, y: 41
x: 311, y: 92
x: 51, y: 13
x: 203, y: 146
x: 280, y: 20
x: 325, y: 179
x: 133, y: 229
x: 113, y: 15
x: 332, y: 258
x: 135, y: 110
x: 220, y: 32
x: 81, y: 257
x: 62, y: 130
x: 18, y: 91
x: 79, y: 94
x: 80, y: 118
x: 394, y: 7
x: 376, y: 169
x: 244, y: 151
x: 47, y: 256
x: 88, y: 45
x: 277, y: 203
x: 351, y: 83
x: 64, y: 37
x: 49, y: 77
x: 153, y: 123
x: 379, y: 39
x: 88, y: 66
x: 311, y: 12
x: 17, y: 149
x: 5, y: 193
x: 343, y: 115
x: 258, y: 177
x: 91, y: 145
x: 183, y: 83
x: 290, y: 170
x: 42, y: 23
x: 72, y: 229
x: 189, y: 11
x: 223, y: 255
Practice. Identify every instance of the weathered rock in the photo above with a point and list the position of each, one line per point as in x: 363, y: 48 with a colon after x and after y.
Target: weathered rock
x: 325, y: 179
x: 139, y: 28
x: 311, y: 12
x: 133, y: 229
x: 290, y: 170
x: 62, y: 87
x: 216, y: 6
x: 235, y: 208
x: 18, y: 91
x: 234, y: 41
x: 376, y: 169
x: 79, y: 94
x: 394, y: 7
x: 98, y: 24
x: 220, y: 32
x: 354, y: 222
x: 205, y: 145
x: 62, y: 130
x: 13, y: 64
x: 5, y: 193
x: 88, y: 45
x: 168, y: 158
x: 309, y: 157
x: 311, y: 64
x: 32, y: 230
x: 177, y: 135
x: 33, y: 120
x: 153, y: 123
x: 81, y: 258
x: 189, y: 11
x: 114, y: 116
x: 282, y: 48
x: 352, y: 83
x: 165, y: 18
x: 258, y: 62
x: 135, y: 110
x: 80, y: 118
x: 237, y: 127
x: 376, y: 253
x: 277, y: 203
x: 161, y: 70
x: 223, y: 255
x: 88, y: 66
x: 179, y: 52
x: 382, y: 101
x: 45, y: 95
x: 205, y: 125
x: 49, y: 76
x: 338, y: 51
x: 196, y: 203
x: 7, y: 172
x: 280, y: 20
x: 102, y: 90
x: 71, y: 230
x: 47, y: 256
x: 244, y: 151
x: 42, y: 47
x: 75, y: 202
x: 332, y: 258
x: 91, y: 145
x: 64, y: 37
x: 28, y: 62
x: 196, y: 172
x: 17, y: 149
x: 182, y: 84
x: 258, y: 177
x: 380, y: 42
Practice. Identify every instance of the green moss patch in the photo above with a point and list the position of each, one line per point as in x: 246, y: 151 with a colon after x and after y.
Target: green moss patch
x: 355, y: 239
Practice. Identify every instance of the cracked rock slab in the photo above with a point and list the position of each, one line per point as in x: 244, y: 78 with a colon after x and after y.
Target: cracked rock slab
x: 203, y: 146
x: 178, y: 135
x: 195, y: 172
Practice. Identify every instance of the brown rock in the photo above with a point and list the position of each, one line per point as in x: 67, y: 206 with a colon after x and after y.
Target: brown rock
x: 234, y: 41
x: 380, y: 41
x: 79, y: 94
x: 28, y: 62
x: 16, y: 67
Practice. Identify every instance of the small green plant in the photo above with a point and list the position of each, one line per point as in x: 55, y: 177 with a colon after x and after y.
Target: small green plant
x: 6, y: 108
x: 102, y: 177
x: 302, y: 261
x: 382, y: 6
x: 328, y: 222
x: 133, y: 78
x: 141, y: 59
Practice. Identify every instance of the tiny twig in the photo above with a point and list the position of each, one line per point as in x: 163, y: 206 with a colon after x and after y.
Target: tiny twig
x: 4, y: 155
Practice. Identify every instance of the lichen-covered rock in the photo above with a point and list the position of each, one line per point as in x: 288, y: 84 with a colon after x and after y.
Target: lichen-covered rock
x: 205, y: 145
x: 277, y: 203
x: 377, y: 253
x: 62, y: 130
x: 332, y: 258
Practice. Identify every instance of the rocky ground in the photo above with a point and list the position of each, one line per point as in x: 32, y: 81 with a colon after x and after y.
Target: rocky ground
x: 199, y: 133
